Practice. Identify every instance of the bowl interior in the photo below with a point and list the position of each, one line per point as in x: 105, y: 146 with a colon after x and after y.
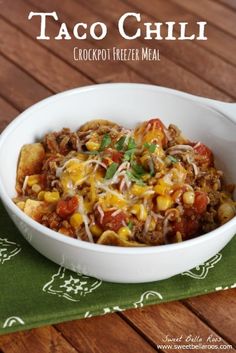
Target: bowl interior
x: 124, y: 104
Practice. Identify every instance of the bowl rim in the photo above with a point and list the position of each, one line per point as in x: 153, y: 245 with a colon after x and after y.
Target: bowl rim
x: 77, y: 243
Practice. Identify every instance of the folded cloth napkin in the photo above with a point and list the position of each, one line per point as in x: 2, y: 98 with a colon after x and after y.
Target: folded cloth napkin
x: 37, y: 292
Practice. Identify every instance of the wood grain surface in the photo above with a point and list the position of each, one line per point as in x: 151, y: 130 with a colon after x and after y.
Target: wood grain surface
x: 32, y: 70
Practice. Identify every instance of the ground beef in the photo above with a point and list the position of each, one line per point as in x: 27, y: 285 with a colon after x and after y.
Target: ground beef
x: 50, y: 166
x: 55, y: 222
x: 97, y: 129
x: 61, y: 142
x: 52, y: 220
x: 214, y: 197
x: 175, y: 136
x: 154, y: 237
x: 209, y: 220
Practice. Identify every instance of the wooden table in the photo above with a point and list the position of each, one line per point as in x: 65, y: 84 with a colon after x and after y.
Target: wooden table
x: 32, y: 70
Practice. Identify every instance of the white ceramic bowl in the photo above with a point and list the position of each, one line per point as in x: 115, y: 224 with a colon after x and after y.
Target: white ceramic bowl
x: 212, y: 122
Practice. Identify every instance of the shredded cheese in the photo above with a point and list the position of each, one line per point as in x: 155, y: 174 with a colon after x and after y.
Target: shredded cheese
x: 122, y: 184
x: 100, y: 210
x: 166, y: 227
x: 124, y: 224
x: 195, y: 169
x: 156, y: 215
x: 147, y: 224
x: 104, y: 187
x: 159, y: 159
x: 25, y: 184
x: 96, y: 162
x: 115, y: 213
x: 181, y: 148
x: 59, y: 170
x: 81, y: 210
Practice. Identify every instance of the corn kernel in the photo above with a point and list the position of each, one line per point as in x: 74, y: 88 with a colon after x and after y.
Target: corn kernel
x: 155, y: 134
x: 138, y: 190
x: 36, y: 188
x: 178, y: 237
x: 96, y: 230
x: 92, y: 146
x: 81, y: 156
x: 152, y: 225
x: 51, y: 197
x: 159, y: 152
x: 76, y: 220
x: 33, y: 179
x: 189, y: 197
x: 64, y: 231
x: 145, y: 158
x: 164, y: 202
x: 135, y: 209
x: 88, y: 206
x: 226, y: 211
x: 140, y: 211
x: 21, y: 205
x: 113, y: 201
x: 41, y: 195
x: 145, y: 177
x: 124, y: 233
x: 162, y: 188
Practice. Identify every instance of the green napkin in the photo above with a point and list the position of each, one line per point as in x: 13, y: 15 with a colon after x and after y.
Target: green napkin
x: 36, y: 292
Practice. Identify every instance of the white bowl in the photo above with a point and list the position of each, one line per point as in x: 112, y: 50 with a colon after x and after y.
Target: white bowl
x: 200, y: 119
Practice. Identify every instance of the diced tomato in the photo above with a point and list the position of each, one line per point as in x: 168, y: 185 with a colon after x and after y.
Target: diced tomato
x: 192, y: 227
x: 109, y: 221
x: 201, y: 202
x: 158, y: 124
x: 187, y: 227
x: 116, y: 156
x: 179, y: 227
x: 66, y: 207
x: 106, y: 161
x: 43, y: 180
x: 190, y: 212
x: 205, y: 152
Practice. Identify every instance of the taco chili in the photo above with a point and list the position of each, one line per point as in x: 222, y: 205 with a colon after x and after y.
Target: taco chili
x: 111, y: 185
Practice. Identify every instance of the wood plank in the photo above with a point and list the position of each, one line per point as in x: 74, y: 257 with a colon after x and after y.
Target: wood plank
x: 164, y: 11
x: 7, y: 113
x: 152, y: 75
x: 201, y: 62
x: 230, y: 3
x: 155, y: 73
x: 177, y: 78
x: 19, y: 88
x: 213, y: 12
x: 172, y: 319
x: 41, y: 340
x: 49, y: 70
x: 103, y: 334
x: 17, y: 13
x: 218, y: 310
